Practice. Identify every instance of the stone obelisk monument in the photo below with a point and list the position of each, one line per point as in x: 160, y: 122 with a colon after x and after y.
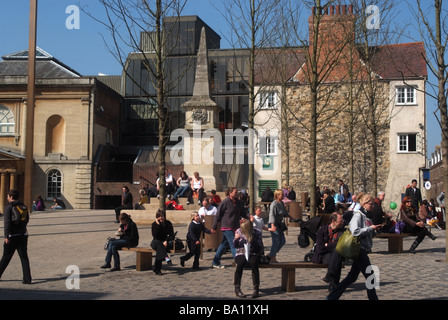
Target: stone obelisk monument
x: 202, y: 124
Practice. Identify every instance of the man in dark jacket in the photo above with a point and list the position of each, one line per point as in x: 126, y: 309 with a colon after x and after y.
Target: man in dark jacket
x: 415, y: 194
x: 16, y: 237
x: 230, y: 212
x: 126, y: 203
x: 129, y: 237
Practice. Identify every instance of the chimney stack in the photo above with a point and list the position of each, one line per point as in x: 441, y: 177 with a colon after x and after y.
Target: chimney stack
x: 334, y: 10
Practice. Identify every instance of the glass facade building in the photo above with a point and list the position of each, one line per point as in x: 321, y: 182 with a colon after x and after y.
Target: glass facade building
x: 228, y: 81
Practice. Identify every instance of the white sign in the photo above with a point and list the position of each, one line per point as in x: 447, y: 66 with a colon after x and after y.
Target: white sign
x: 427, y: 185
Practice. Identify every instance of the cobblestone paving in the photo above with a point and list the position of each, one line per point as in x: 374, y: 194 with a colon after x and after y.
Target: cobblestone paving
x: 60, y: 239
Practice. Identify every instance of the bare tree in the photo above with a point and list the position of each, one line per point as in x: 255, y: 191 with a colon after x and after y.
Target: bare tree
x: 138, y: 26
x: 250, y: 28
x: 320, y: 76
x: 375, y: 106
x: 434, y: 32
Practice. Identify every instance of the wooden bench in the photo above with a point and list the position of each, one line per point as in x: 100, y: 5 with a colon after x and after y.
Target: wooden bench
x: 289, y: 272
x: 144, y: 256
x: 394, y: 241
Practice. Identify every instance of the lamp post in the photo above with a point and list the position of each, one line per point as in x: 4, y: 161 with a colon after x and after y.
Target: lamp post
x: 29, y: 128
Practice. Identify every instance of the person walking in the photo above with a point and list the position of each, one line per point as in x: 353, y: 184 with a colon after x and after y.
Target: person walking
x: 195, y: 230
x: 249, y: 245
x: 277, y: 213
x: 16, y: 237
x: 360, y: 226
x: 229, y: 213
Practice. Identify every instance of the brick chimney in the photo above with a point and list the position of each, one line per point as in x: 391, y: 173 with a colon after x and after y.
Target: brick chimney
x: 336, y: 35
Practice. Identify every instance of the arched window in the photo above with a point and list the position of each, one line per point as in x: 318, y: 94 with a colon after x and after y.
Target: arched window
x: 6, y: 121
x: 54, y: 184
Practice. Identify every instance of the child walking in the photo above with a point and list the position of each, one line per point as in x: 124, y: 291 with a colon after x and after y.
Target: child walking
x: 194, y: 240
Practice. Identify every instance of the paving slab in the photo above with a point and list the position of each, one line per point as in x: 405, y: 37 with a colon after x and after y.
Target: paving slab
x: 61, y: 243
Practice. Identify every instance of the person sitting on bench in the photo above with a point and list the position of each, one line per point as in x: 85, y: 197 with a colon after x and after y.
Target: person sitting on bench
x: 129, y: 238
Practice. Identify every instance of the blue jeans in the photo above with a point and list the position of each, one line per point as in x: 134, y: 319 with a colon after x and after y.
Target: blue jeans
x: 112, y: 250
x: 180, y: 192
x: 227, y: 237
x: 278, y: 241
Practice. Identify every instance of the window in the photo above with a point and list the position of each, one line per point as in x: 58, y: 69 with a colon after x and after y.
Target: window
x: 268, y: 100
x: 54, y: 184
x: 7, y: 124
x: 408, y: 143
x: 268, y: 145
x: 406, y: 96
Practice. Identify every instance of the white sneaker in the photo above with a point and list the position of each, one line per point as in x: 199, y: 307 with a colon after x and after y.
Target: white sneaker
x: 218, y: 266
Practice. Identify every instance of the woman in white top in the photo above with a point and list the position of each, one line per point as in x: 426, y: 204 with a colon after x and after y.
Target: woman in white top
x: 197, y: 185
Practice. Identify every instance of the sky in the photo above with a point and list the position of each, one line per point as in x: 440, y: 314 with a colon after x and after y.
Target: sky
x: 83, y: 47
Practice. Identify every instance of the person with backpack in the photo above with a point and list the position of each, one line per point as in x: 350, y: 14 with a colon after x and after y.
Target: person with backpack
x: 15, y: 219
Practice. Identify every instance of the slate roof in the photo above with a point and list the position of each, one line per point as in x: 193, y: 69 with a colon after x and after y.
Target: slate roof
x: 47, y: 66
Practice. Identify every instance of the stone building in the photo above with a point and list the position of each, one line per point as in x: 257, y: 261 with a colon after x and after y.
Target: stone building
x: 398, y: 76
x: 74, y: 115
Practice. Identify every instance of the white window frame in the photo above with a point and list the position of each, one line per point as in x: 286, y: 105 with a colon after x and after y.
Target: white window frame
x: 7, y: 122
x: 406, y: 96
x: 270, y: 146
x: 268, y: 100
x: 403, y: 143
x: 54, y: 184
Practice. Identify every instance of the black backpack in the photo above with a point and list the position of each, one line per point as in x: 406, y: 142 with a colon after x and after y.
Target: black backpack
x: 19, y: 213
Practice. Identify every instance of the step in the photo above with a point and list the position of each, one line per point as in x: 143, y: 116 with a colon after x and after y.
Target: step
x: 147, y: 217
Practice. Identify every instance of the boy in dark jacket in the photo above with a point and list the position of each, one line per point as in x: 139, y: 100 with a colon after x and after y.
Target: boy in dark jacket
x: 194, y: 240
x: 16, y: 238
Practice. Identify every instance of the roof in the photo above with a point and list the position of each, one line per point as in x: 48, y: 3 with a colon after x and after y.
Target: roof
x: 400, y: 60
x: 277, y: 65
x: 47, y: 66
x: 113, y: 82
x: 389, y: 62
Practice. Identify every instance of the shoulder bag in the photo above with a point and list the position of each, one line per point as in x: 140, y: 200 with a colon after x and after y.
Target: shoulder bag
x: 348, y: 245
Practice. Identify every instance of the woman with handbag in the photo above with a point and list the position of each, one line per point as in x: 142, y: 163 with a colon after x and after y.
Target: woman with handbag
x: 249, y: 246
x: 413, y: 223
x: 129, y: 238
x: 277, y: 225
x: 360, y: 226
